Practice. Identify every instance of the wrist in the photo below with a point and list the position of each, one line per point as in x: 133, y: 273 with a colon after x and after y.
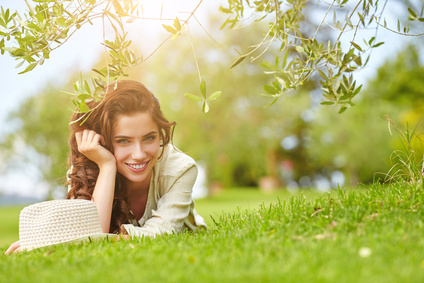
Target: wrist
x: 108, y: 166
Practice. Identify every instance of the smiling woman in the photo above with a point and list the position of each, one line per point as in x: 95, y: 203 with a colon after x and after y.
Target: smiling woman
x: 121, y: 159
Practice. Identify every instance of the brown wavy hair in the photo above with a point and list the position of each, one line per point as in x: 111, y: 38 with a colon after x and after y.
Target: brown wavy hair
x: 125, y: 97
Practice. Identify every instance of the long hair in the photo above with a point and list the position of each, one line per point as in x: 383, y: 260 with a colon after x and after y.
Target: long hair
x: 124, y: 97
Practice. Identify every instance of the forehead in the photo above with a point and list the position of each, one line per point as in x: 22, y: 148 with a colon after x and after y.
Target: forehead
x: 133, y: 125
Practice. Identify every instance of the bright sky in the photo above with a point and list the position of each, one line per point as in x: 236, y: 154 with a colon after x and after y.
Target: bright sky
x: 80, y: 53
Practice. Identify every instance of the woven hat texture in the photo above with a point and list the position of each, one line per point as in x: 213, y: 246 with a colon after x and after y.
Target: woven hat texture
x: 58, y: 221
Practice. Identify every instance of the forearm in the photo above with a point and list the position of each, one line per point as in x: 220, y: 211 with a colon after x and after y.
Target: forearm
x: 103, y: 194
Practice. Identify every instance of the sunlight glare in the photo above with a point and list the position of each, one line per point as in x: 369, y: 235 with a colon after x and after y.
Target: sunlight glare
x: 166, y: 9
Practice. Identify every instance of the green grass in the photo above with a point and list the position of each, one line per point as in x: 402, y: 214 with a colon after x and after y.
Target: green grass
x: 9, y: 224
x: 232, y: 200
x: 210, y: 207
x: 295, y: 239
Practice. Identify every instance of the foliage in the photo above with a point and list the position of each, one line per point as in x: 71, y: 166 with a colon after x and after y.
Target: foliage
x: 401, y: 81
x: 49, y: 25
x: 408, y: 161
x: 361, y: 145
x: 312, y: 47
x: 238, y: 142
x: 376, y: 232
x: 42, y: 126
x: 241, y: 141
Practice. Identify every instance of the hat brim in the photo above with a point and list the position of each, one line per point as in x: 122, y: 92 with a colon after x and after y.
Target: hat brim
x: 87, y: 238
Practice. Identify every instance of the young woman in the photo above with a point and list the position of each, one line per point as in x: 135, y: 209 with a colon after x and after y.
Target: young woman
x: 121, y: 159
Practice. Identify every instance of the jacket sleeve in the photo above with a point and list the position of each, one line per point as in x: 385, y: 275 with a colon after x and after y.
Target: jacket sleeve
x: 173, y: 208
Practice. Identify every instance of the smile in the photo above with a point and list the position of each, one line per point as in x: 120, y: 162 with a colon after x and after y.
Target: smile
x: 137, y: 167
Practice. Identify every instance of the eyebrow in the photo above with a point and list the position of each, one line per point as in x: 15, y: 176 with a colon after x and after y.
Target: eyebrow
x: 128, y: 137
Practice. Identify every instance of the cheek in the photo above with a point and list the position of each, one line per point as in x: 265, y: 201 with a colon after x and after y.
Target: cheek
x: 153, y: 149
x: 121, y: 152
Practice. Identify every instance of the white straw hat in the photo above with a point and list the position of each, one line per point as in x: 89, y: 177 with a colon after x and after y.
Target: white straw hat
x: 59, y: 221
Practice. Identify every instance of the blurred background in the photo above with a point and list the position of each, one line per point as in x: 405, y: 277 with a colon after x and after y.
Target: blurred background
x: 295, y: 143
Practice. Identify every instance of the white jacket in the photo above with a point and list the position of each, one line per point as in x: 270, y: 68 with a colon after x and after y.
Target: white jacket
x: 170, y: 206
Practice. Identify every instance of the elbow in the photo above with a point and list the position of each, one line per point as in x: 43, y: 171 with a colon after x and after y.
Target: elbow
x: 105, y: 227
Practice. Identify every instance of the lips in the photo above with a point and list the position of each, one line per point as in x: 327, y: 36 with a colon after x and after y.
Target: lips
x: 137, y: 167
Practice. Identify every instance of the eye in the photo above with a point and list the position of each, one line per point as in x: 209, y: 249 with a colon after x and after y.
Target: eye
x: 150, y: 138
x: 122, y: 141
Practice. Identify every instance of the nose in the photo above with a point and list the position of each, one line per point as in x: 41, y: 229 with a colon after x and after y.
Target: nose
x: 138, y: 153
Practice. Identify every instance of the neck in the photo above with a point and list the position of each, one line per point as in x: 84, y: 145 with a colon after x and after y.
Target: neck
x: 137, y: 190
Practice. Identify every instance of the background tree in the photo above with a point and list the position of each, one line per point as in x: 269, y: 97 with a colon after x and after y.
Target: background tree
x: 49, y: 24
x: 240, y: 141
x: 40, y: 137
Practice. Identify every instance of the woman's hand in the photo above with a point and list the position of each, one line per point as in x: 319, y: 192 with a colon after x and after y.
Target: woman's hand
x: 90, y: 144
x: 14, y: 248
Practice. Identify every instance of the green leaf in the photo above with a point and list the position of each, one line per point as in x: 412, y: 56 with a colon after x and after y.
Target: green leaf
x: 29, y: 68
x: 275, y: 100
x: 224, y: 24
x: 205, y: 107
x: 87, y: 87
x: 238, y: 61
x: 203, y: 88
x: 300, y: 49
x: 378, y: 44
x: 170, y: 29
x: 20, y: 64
x: 76, y: 102
x: 356, y: 46
x: 225, y: 10
x: 343, y: 109
x: 282, y: 82
x: 412, y: 13
x: 70, y: 93
x: 215, y: 95
x: 357, y: 90
x: 83, y: 107
x: 87, y: 116
x: 83, y: 96
x: 99, y: 72
x: 193, y: 97
x: 100, y: 83
x: 328, y: 103
x: 2, y: 23
x: 322, y: 74
x: 284, y: 63
x: 119, y: 11
x: 177, y: 24
x: 267, y: 65
x: 270, y: 89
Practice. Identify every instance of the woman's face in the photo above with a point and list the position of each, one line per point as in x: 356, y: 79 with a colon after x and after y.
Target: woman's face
x: 136, y: 144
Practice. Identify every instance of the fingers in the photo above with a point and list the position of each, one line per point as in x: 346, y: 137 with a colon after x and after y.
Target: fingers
x: 102, y: 141
x: 88, y: 140
x: 15, y: 247
x: 18, y: 250
x: 90, y: 144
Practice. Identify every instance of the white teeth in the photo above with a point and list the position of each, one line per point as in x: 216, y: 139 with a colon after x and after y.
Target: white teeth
x: 137, y: 166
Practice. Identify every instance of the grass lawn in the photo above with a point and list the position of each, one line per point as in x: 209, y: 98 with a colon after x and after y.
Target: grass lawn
x: 213, y: 206
x: 350, y: 235
x: 9, y: 224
